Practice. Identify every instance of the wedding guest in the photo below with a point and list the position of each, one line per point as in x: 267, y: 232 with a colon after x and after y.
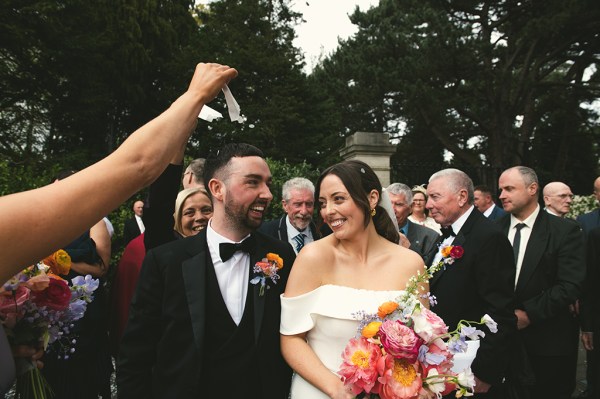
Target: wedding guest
x: 296, y: 226
x: 193, y: 209
x: 135, y: 226
x: 158, y: 213
x: 480, y: 282
x: 557, y: 199
x: 420, y: 214
x: 196, y: 311
x: 590, y: 313
x: 550, y: 269
x: 134, y: 165
x: 484, y: 202
x: 421, y: 239
x: 591, y: 219
x: 334, y: 277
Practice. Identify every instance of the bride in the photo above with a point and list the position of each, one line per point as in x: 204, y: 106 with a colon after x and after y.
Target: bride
x: 356, y: 268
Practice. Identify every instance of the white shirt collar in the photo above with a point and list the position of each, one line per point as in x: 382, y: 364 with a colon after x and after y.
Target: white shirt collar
x: 213, y: 239
x: 458, y: 224
x: 529, y: 220
x: 489, y: 211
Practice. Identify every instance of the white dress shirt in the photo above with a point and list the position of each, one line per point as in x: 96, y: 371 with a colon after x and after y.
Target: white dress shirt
x: 233, y: 275
x: 140, y: 223
x: 525, y: 234
x: 456, y: 226
x: 489, y: 211
x: 293, y: 232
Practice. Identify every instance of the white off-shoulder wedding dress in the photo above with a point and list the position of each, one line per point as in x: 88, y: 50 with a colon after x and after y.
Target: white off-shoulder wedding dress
x: 328, y: 314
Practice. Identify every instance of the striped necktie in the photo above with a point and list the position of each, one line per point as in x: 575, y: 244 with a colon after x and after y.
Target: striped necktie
x: 299, y: 241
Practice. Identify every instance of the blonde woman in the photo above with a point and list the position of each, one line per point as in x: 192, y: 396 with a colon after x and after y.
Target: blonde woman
x: 193, y: 209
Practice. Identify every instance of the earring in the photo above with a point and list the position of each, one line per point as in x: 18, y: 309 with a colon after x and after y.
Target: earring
x: 373, y: 212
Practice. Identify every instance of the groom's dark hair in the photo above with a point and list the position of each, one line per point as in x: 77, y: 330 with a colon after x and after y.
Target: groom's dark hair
x: 217, y: 162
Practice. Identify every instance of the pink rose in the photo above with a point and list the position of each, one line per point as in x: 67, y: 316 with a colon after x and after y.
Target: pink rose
x: 399, y: 340
x: 457, y: 252
x: 38, y: 283
x: 57, y: 296
x: 428, y: 325
x: 11, y: 305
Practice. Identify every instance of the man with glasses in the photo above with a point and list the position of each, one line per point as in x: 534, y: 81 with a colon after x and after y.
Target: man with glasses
x: 557, y: 198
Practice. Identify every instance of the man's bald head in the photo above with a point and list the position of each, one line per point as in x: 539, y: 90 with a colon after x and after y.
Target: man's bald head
x: 558, y: 198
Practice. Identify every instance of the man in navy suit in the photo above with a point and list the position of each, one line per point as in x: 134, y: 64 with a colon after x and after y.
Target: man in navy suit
x: 484, y: 202
x: 550, y: 269
x: 480, y: 282
x: 591, y: 219
x: 422, y: 239
x: 198, y: 324
x: 296, y: 226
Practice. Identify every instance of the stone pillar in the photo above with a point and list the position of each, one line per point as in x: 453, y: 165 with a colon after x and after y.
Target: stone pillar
x: 374, y: 149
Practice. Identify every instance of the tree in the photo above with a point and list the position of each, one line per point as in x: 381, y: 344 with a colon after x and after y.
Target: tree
x: 481, y: 78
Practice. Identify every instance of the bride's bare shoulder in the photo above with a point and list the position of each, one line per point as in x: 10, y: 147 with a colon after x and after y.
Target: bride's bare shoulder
x: 310, y: 268
x: 409, y: 259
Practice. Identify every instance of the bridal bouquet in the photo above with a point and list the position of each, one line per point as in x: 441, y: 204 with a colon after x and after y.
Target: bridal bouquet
x: 406, y: 351
x: 37, y: 309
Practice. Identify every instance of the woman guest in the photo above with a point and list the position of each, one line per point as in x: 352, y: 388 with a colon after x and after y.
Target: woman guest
x: 420, y: 214
x: 358, y: 267
x: 193, y: 209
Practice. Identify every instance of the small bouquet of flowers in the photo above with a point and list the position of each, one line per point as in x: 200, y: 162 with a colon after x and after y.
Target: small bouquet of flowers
x: 38, y: 309
x: 405, y: 351
x: 267, y: 270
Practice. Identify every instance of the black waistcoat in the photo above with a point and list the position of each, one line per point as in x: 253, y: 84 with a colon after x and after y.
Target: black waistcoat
x: 230, y: 359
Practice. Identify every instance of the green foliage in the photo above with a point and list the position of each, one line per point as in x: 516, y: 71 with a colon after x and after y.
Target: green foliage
x: 582, y: 204
x: 494, y: 83
x: 15, y: 178
x: 282, y: 172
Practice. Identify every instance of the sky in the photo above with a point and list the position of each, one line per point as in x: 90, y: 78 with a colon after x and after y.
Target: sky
x: 326, y: 20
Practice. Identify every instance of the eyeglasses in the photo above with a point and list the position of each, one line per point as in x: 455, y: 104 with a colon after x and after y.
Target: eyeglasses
x: 563, y: 196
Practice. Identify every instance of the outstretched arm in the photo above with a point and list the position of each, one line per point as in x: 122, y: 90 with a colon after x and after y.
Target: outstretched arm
x: 105, y: 184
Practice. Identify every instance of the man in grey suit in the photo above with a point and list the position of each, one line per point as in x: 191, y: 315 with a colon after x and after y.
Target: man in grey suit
x: 550, y: 269
x: 422, y: 239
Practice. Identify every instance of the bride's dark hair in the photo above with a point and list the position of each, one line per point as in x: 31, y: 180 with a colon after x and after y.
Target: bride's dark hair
x: 359, y: 179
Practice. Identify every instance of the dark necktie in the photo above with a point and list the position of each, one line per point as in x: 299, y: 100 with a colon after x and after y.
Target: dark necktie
x: 447, y: 232
x: 299, y: 241
x: 227, y: 249
x: 517, y: 240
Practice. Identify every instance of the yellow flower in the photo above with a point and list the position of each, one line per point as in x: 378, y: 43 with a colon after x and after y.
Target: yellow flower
x: 275, y: 258
x: 386, y: 308
x: 371, y: 329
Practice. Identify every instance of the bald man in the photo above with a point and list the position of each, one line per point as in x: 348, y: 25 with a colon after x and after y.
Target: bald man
x: 557, y: 198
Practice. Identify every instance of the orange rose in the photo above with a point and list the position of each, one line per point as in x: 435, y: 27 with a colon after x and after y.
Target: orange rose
x: 59, y: 262
x: 386, y: 308
x: 275, y: 258
x: 371, y: 329
x: 446, y: 251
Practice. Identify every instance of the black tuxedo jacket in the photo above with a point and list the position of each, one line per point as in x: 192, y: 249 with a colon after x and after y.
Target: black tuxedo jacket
x: 590, y: 304
x: 479, y: 283
x: 550, y: 280
x: 423, y: 240
x: 130, y: 230
x: 278, y: 228
x: 161, y: 353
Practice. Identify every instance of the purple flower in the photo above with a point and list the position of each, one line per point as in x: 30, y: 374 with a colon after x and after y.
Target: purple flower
x: 471, y: 332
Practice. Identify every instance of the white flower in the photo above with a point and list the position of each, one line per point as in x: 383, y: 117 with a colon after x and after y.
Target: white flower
x: 466, y: 378
x: 490, y: 323
x: 435, y: 382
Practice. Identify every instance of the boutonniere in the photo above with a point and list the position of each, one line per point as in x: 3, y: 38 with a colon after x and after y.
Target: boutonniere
x: 449, y: 254
x: 267, y: 268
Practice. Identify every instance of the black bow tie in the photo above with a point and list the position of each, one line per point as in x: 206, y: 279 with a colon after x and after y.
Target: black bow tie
x: 227, y: 249
x: 447, y: 232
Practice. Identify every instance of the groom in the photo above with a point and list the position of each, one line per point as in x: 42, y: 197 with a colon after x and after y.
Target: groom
x: 480, y: 282
x: 197, y: 325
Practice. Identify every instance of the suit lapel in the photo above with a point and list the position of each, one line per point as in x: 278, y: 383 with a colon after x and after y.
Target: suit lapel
x: 535, y: 249
x: 194, y: 280
x: 458, y: 240
x: 283, y: 235
x: 254, y: 289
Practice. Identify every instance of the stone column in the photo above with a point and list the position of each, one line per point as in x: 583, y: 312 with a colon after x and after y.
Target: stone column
x: 374, y: 149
